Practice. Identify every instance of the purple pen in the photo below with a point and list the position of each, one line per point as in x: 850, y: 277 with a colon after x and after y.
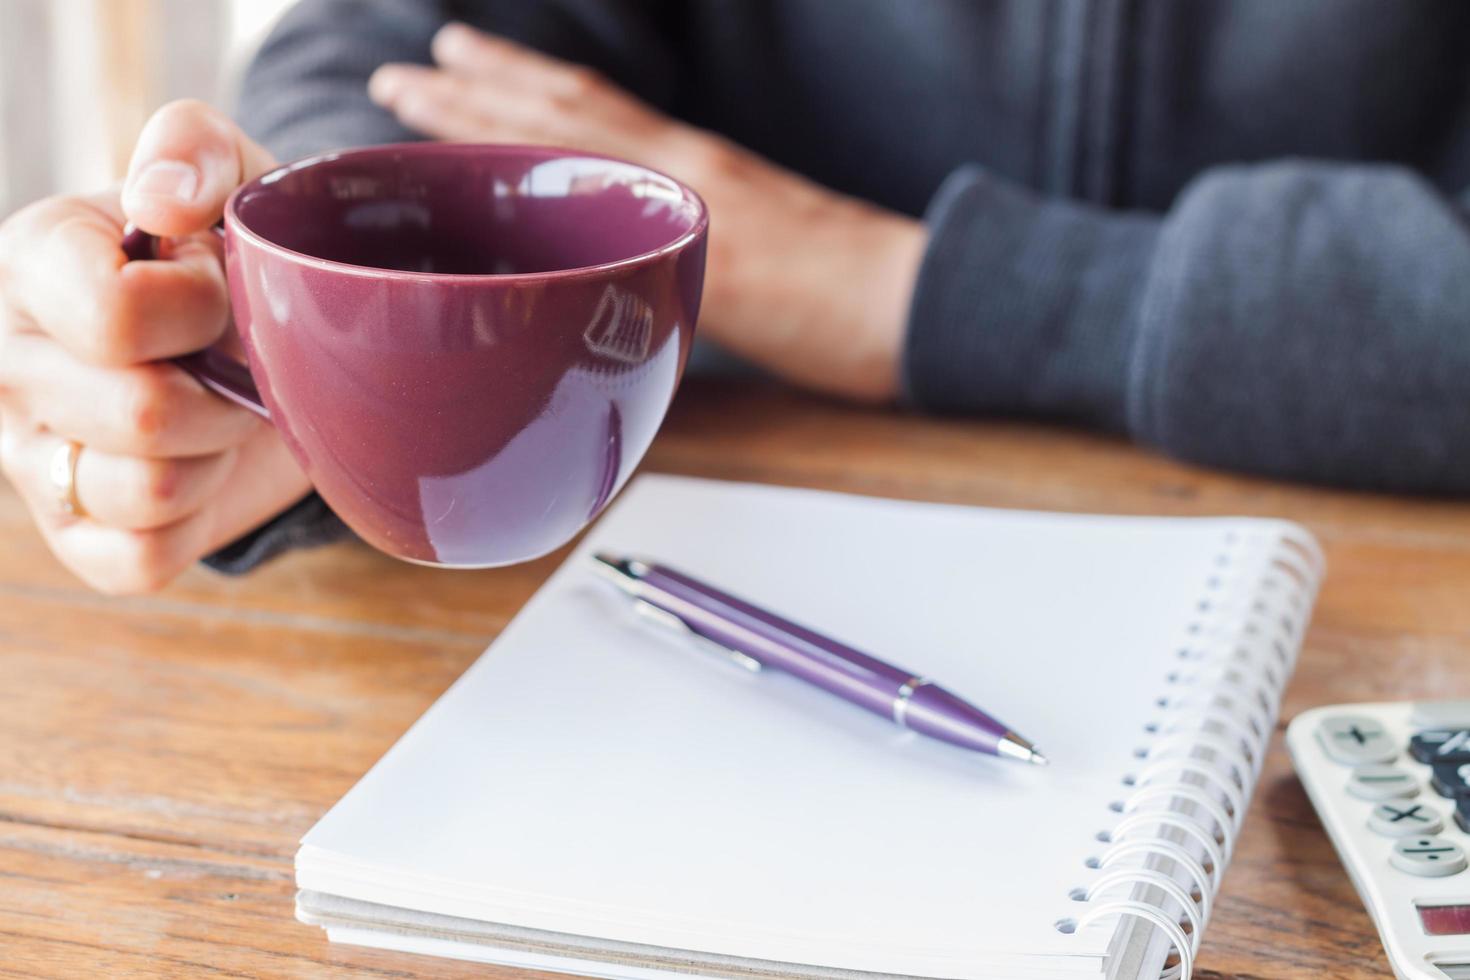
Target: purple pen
x: 755, y: 638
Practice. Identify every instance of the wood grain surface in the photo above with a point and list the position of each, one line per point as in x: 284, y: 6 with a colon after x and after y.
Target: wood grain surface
x: 160, y: 756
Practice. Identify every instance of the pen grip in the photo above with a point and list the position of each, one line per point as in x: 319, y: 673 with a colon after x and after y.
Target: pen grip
x: 935, y: 712
x: 885, y: 689
x: 777, y: 642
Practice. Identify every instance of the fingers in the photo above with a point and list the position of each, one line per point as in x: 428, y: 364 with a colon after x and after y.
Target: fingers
x: 140, y: 494
x: 111, y: 559
x: 485, y: 81
x: 118, y: 561
x: 212, y: 501
x: 487, y: 88
x: 166, y: 308
x: 153, y: 410
x: 65, y: 274
x: 465, y: 51
x: 58, y: 264
x: 265, y: 480
x: 449, y: 107
x: 187, y: 161
x: 83, y: 338
x: 431, y: 102
x: 129, y: 492
x: 62, y: 270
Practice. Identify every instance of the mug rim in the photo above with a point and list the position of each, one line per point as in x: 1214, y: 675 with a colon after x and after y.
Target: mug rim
x: 237, y: 225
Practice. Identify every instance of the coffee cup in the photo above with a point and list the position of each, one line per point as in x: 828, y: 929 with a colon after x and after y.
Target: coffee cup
x: 468, y: 348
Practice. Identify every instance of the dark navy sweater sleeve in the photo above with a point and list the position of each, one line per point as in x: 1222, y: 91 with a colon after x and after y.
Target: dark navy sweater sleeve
x: 1295, y: 319
x: 305, y: 90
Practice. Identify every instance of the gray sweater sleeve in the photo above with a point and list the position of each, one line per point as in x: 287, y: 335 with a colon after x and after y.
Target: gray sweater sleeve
x: 306, y: 88
x: 1294, y: 319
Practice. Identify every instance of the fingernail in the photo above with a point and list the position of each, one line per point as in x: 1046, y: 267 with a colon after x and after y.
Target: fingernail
x: 172, y: 179
x: 384, y: 84
x: 452, y: 31
x: 453, y: 40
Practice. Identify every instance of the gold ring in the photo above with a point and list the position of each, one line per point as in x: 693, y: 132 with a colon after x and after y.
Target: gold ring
x: 64, y: 477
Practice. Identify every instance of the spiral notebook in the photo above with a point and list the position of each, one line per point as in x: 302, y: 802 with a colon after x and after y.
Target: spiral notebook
x: 597, y: 796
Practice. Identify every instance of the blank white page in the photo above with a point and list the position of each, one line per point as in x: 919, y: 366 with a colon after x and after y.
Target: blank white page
x: 592, y: 774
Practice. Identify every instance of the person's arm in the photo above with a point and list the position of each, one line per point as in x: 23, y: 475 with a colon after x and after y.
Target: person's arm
x: 1301, y: 320
x: 1294, y: 319
x: 809, y: 284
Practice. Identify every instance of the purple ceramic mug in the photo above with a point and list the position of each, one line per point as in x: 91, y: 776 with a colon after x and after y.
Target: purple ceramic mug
x: 468, y: 348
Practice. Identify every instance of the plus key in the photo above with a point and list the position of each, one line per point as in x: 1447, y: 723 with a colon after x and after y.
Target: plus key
x: 1355, y: 740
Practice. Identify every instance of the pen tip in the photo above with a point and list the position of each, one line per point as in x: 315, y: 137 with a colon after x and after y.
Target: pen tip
x: 612, y: 568
x: 1016, y: 747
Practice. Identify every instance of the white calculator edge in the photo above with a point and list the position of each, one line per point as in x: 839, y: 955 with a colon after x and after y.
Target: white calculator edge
x: 1393, y: 896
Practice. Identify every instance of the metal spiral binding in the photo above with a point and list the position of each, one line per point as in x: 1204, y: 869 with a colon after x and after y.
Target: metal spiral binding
x: 1183, y: 814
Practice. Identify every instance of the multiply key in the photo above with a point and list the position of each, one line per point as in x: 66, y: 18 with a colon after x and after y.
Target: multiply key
x: 1451, y: 779
x: 1441, y: 745
x: 1400, y: 819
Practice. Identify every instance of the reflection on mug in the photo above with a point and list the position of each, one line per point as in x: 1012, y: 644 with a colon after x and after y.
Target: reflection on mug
x: 541, y: 478
x: 621, y: 327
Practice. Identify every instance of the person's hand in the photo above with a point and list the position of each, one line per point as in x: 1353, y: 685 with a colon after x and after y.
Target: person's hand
x: 166, y: 472
x: 810, y: 284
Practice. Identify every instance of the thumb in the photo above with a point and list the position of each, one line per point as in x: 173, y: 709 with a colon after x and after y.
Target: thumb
x: 189, y: 157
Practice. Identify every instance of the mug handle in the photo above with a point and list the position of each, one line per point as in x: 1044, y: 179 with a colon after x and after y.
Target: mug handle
x: 211, y: 367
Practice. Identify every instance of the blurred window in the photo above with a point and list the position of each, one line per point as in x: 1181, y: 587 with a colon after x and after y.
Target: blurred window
x: 79, y: 77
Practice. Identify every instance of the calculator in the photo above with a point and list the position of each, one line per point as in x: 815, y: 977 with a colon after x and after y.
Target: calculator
x: 1391, y: 783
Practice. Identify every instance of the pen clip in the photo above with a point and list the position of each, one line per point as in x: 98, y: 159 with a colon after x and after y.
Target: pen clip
x: 662, y: 616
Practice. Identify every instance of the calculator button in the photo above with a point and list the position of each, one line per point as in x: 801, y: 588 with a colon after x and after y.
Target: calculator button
x: 1428, y: 857
x: 1441, y: 745
x: 1355, y: 739
x: 1462, y: 814
x: 1402, y: 819
x: 1440, y: 714
x: 1452, y: 779
x: 1378, y: 782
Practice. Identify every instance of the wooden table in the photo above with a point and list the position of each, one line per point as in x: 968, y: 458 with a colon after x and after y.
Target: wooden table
x: 160, y: 756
